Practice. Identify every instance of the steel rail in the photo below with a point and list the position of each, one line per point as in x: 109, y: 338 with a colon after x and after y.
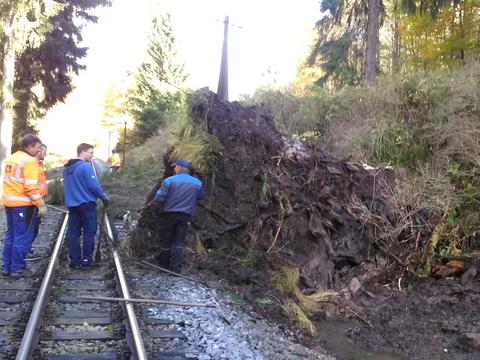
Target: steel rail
x: 30, y: 336
x: 132, y: 319
x: 141, y: 354
x: 106, y: 221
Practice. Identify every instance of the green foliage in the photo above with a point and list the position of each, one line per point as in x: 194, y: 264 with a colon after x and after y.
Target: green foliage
x: 413, y: 36
x: 286, y: 279
x: 143, y: 167
x: 60, y: 290
x: 300, y: 116
x: 190, y: 141
x: 336, y: 63
x: 411, y: 286
x: 263, y: 301
x: 440, y: 33
x: 45, y: 65
x: 464, y: 210
x: 432, y: 249
x: 341, y: 40
x: 264, y: 194
x: 236, y: 296
x: 55, y: 192
x: 298, y: 317
x: 155, y: 95
x: 396, y: 144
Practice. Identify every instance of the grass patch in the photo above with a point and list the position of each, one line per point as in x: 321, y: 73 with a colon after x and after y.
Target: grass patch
x: 263, y: 301
x: 296, y: 315
x: 128, y: 187
x: 190, y: 141
x: 286, y: 280
x: 236, y: 295
x: 55, y: 192
x: 61, y: 291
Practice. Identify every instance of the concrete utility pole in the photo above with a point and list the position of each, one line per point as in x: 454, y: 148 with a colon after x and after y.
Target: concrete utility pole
x: 222, y: 90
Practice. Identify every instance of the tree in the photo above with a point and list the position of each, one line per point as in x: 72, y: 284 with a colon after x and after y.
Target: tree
x: 21, y: 20
x: 371, y: 40
x: 157, y: 82
x: 43, y: 73
x: 346, y: 47
x: 440, y: 33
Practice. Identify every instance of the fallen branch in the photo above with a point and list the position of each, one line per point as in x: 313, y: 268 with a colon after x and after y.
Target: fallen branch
x: 156, y: 267
x: 396, y: 258
x: 144, y: 301
x: 275, y: 238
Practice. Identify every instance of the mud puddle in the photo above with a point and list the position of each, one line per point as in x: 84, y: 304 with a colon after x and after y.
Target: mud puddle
x: 332, y: 335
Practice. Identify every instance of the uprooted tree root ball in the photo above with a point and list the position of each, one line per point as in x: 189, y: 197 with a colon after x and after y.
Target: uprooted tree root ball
x: 304, y: 236
x: 274, y: 200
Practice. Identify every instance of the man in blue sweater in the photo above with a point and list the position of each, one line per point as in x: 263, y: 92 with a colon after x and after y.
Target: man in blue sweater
x: 177, y: 197
x: 81, y: 190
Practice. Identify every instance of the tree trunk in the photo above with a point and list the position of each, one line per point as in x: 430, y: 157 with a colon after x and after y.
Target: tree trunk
x: 371, y: 48
x: 397, y: 40
x: 6, y: 113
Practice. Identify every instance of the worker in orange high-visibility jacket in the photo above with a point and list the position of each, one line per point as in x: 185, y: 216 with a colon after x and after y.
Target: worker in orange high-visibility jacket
x: 22, y: 202
x: 42, y: 182
x: 115, y: 162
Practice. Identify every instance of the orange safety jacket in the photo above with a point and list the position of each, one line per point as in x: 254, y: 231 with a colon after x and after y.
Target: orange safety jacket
x: 116, y: 161
x: 21, y: 185
x: 42, y: 180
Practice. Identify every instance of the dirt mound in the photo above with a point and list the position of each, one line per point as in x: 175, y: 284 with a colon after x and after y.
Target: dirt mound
x: 278, y: 200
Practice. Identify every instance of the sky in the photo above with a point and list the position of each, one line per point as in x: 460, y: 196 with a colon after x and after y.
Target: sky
x: 267, y: 40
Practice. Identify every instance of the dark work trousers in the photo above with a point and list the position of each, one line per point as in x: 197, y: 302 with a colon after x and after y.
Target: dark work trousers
x: 82, y: 217
x: 36, y: 226
x: 18, y: 238
x: 174, y: 227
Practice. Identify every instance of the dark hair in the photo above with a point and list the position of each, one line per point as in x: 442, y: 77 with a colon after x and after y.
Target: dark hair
x: 28, y: 140
x: 83, y: 147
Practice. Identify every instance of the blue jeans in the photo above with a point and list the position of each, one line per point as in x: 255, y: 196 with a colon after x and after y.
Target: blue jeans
x: 18, y: 239
x: 82, y: 217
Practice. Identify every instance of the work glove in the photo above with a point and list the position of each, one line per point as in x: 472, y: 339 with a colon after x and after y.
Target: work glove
x: 106, y: 202
x: 42, y: 209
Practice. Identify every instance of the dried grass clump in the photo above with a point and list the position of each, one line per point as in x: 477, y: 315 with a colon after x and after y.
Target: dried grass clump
x: 286, y: 279
x: 190, y: 141
x: 298, y: 317
x: 311, y: 303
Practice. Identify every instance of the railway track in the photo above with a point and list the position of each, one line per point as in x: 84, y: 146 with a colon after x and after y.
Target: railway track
x: 45, y: 315
x: 44, y: 318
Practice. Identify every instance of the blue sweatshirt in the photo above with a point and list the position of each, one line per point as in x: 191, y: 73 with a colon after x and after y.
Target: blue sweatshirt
x: 179, y: 193
x: 80, y: 183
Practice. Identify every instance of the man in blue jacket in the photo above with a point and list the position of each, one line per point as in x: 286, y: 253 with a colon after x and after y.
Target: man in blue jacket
x: 81, y: 190
x: 177, y: 197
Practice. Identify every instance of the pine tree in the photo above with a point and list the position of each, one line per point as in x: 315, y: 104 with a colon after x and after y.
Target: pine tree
x: 347, y: 44
x: 156, y: 92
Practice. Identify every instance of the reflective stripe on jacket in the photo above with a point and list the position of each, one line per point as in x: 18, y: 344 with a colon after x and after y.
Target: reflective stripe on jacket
x: 42, y: 180
x: 21, y: 185
x: 179, y: 193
